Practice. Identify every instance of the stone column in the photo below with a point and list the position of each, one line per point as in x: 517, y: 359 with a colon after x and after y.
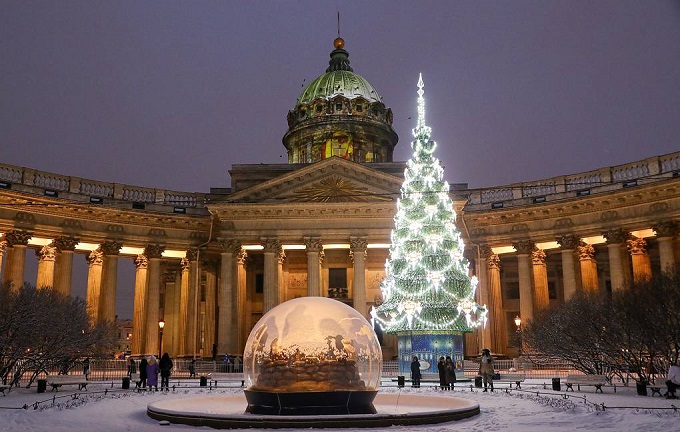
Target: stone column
x: 615, y: 237
x: 496, y: 313
x: 241, y: 299
x: 17, y: 242
x: 95, y: 260
x: 171, y: 312
x: 567, y: 244
x: 483, y: 286
x: 526, y: 300
x: 210, y: 305
x: 314, y: 248
x: 153, y: 253
x: 280, y: 259
x: 46, y: 256
x: 139, y: 306
x: 642, y: 267
x: 63, y: 271
x: 272, y: 248
x: 541, y: 294
x: 185, y: 284
x: 665, y: 234
x: 357, y: 249
x: 588, y: 263
x: 191, y: 334
x: 227, y: 338
x: 107, y: 311
x: 3, y: 248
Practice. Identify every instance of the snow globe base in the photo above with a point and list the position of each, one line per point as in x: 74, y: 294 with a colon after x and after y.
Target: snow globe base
x: 310, y: 403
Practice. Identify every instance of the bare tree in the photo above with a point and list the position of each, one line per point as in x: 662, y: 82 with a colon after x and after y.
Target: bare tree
x: 41, y: 330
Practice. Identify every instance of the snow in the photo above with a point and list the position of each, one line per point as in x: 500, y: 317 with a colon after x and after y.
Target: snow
x: 526, y: 411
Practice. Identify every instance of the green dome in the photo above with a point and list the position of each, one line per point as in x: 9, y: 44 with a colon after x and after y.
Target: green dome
x: 339, y: 82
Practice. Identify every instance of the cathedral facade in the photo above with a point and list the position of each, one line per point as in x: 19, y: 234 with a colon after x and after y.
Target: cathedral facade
x: 210, y: 265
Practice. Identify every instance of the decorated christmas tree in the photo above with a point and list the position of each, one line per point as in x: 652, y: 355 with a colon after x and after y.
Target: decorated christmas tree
x: 428, y: 296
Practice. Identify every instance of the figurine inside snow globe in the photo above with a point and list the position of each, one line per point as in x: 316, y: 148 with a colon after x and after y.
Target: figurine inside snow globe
x: 312, y: 355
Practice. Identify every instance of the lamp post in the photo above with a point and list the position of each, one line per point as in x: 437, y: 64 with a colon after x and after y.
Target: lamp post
x: 518, y: 324
x: 161, y: 324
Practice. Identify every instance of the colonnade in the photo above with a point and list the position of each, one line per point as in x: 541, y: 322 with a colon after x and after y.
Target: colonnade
x: 628, y: 261
x: 200, y: 303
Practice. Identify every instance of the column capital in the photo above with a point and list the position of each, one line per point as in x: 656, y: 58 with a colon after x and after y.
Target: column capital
x: 568, y: 241
x: 665, y: 228
x: 154, y: 251
x: 538, y: 257
x: 271, y: 245
x: 185, y: 263
x: 615, y: 235
x: 485, y: 251
x: 141, y: 261
x: 3, y: 246
x: 637, y: 246
x: 313, y: 244
x: 524, y: 247
x: 241, y: 256
x: 17, y: 238
x: 95, y: 257
x: 494, y: 262
x: 322, y: 255
x: 192, y: 254
x: 585, y: 251
x: 169, y: 277
x: 358, y: 252
x: 46, y: 253
x: 281, y: 256
x: 65, y: 243
x: 230, y: 246
x: 358, y: 244
x: 110, y: 247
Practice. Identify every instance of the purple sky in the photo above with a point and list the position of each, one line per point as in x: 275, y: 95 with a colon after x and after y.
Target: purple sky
x: 170, y: 94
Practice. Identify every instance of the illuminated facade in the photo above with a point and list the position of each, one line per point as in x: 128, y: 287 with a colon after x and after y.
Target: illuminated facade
x: 210, y: 265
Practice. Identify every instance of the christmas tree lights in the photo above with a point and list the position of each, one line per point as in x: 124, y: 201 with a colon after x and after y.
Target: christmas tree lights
x: 426, y: 286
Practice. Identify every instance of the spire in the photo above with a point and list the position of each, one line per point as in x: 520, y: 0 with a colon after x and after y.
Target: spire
x: 339, y: 57
x: 422, y: 130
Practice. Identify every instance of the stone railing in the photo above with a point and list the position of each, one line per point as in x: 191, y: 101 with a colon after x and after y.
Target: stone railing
x: 12, y: 176
x: 603, y: 179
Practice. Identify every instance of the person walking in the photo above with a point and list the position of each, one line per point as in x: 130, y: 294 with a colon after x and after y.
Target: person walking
x: 165, y: 365
x: 441, y: 368
x: 192, y: 368
x: 86, y: 367
x: 143, y: 363
x: 450, y: 368
x: 415, y: 372
x: 152, y: 373
x: 132, y: 366
x: 673, y: 381
x: 486, y: 368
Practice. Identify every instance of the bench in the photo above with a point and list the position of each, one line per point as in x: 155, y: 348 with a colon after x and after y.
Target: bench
x: 655, y: 389
x: 594, y: 380
x: 57, y: 381
x: 226, y: 377
x: 512, y: 378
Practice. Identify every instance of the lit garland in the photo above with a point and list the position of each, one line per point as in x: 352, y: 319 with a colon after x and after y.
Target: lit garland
x: 426, y: 286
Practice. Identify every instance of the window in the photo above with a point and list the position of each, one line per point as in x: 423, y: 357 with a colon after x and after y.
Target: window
x: 338, y: 107
x: 359, y: 108
x: 337, y: 283
x: 319, y: 108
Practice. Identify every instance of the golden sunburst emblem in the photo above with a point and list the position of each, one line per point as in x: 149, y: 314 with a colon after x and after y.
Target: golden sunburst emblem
x: 336, y: 189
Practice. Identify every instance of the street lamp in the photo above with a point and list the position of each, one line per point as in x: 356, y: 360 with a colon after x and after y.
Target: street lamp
x: 518, y: 324
x: 161, y: 324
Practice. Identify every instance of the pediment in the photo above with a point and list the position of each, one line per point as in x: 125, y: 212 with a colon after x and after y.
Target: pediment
x: 333, y: 180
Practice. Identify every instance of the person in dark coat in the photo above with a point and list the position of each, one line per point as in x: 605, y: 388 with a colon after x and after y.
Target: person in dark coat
x: 441, y: 368
x: 86, y: 367
x: 450, y: 368
x: 152, y: 370
x: 415, y: 372
x: 486, y: 368
x: 132, y: 366
x: 142, y: 372
x: 165, y: 366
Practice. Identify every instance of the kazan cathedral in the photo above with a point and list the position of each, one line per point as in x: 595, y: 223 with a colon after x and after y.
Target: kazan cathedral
x: 209, y: 265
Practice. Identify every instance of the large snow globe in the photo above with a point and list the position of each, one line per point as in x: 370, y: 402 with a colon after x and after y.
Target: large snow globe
x: 312, y: 355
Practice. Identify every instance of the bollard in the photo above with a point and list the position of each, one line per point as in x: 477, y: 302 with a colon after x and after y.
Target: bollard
x: 126, y: 383
x: 556, y: 384
x: 478, y: 382
x: 401, y: 381
x: 42, y: 385
x: 204, y: 381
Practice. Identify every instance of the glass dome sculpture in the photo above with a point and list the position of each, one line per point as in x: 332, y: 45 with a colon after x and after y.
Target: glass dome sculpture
x: 312, y: 356
x: 312, y: 344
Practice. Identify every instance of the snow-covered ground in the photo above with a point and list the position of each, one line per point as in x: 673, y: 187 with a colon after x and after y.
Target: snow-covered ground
x: 524, y: 411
